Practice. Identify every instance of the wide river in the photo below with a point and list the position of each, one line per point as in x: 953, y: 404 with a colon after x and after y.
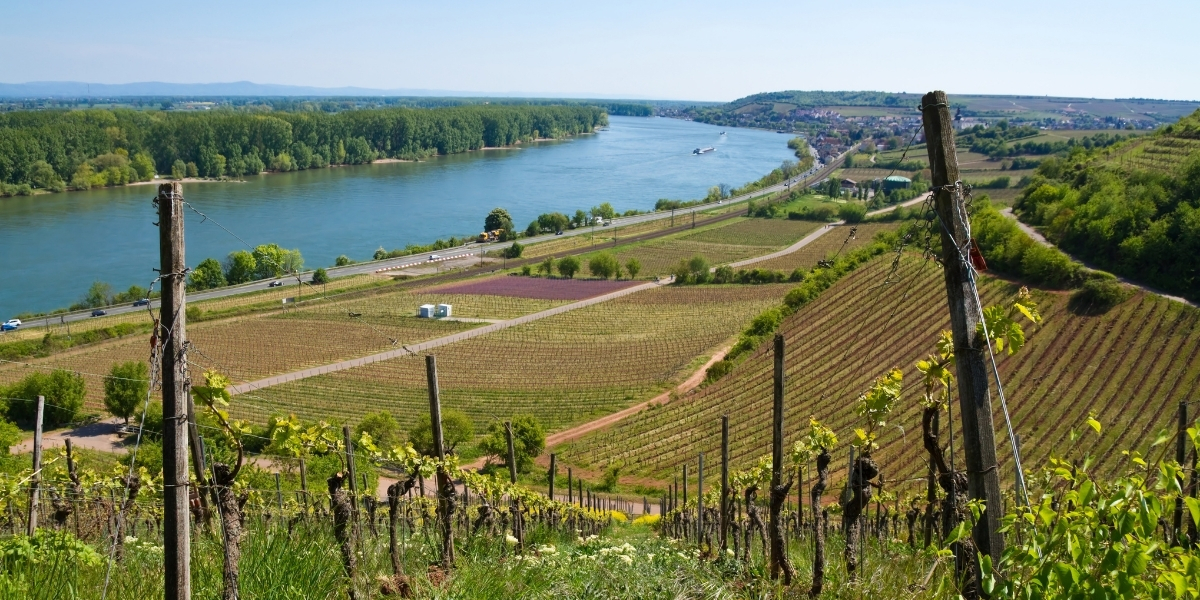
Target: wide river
x: 54, y: 246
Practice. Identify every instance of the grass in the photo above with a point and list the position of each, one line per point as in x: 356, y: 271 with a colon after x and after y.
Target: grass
x: 1129, y: 367
x: 562, y: 369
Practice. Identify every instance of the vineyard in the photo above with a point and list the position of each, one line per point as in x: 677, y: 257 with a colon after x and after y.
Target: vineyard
x: 539, y: 288
x: 288, y: 339
x: 562, y: 369
x: 837, y: 239
x: 1129, y: 367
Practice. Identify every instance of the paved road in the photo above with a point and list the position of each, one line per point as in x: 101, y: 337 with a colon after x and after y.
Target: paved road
x: 814, y: 175
x: 1041, y: 239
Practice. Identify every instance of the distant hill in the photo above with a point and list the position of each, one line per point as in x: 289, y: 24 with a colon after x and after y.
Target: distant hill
x: 78, y: 89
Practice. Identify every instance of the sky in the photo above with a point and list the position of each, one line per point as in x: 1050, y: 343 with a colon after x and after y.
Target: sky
x: 694, y: 50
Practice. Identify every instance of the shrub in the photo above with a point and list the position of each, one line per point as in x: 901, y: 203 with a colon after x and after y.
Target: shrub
x: 604, y: 265
x: 526, y: 270
x: 1098, y: 295
x: 342, y: 261
x: 568, y: 267
x: 64, y: 392
x: 320, y: 276
x: 514, y: 251
x: 852, y: 212
x: 718, y: 370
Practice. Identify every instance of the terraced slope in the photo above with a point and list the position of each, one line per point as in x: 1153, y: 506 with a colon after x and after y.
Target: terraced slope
x: 1130, y: 367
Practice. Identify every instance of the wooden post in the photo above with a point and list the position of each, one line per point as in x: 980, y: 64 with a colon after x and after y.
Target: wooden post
x: 553, y: 471
x: 35, y: 480
x: 724, y: 517
x: 175, y: 392
x: 279, y: 496
x: 351, y: 476
x: 975, y: 403
x: 445, y: 485
x: 570, y: 487
x: 778, y: 493
x: 518, y: 531
x: 1181, y: 445
x: 700, y: 500
x: 199, y: 466
x: 304, y: 484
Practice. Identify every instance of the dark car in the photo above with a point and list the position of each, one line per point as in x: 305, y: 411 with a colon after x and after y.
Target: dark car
x: 275, y: 284
x: 98, y: 313
x: 142, y: 302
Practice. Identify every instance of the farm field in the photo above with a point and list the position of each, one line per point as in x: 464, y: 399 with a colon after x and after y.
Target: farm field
x: 1160, y: 153
x: 744, y: 238
x: 1129, y: 367
x: 825, y: 246
x: 260, y: 345
x: 562, y: 369
x: 541, y: 288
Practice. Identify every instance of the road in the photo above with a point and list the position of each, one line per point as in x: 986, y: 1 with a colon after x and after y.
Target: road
x: 814, y: 175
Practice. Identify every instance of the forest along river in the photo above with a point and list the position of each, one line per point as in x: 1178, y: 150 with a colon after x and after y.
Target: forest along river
x: 54, y: 246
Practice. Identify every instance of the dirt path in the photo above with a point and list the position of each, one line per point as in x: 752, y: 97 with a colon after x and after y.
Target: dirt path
x: 102, y: 436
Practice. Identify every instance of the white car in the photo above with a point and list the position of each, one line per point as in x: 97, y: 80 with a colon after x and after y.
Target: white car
x: 434, y: 257
x: 10, y: 325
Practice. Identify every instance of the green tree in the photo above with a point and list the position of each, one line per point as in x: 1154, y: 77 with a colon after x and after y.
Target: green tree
x: 10, y: 435
x: 604, y: 265
x: 82, y: 179
x: 98, y: 294
x: 546, y: 267
x: 64, y: 392
x: 320, y: 276
x: 206, y: 276
x: 529, y: 439
x: 633, y: 267
x: 144, y: 165
x: 125, y: 388
x: 273, y: 261
x: 457, y: 428
x: 240, y: 267
x: 604, y: 211
x: 43, y: 176
x: 342, y: 261
x: 698, y: 269
x: 192, y: 171
x: 498, y: 219
x: 568, y: 266
x: 178, y: 170
x: 382, y: 427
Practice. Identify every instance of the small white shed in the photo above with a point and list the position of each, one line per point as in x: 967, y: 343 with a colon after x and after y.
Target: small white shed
x: 425, y: 311
x: 443, y: 310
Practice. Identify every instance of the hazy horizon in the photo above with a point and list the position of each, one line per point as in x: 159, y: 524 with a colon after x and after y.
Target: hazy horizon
x: 700, y: 51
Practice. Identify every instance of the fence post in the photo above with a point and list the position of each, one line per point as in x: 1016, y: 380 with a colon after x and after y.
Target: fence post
x: 975, y: 403
x: 352, y: 476
x: 700, y: 501
x: 553, y: 471
x: 445, y: 485
x: 175, y: 387
x: 724, y: 516
x: 1181, y: 444
x: 778, y: 494
x: 35, y: 481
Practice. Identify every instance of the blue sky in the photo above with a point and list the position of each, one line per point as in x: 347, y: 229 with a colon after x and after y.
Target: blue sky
x: 696, y: 50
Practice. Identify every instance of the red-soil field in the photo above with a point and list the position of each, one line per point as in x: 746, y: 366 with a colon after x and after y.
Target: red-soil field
x: 540, y: 288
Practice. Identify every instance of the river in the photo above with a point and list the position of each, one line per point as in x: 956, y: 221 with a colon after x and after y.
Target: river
x: 54, y: 246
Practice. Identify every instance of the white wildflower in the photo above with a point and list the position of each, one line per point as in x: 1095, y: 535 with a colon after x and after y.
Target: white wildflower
x: 510, y: 540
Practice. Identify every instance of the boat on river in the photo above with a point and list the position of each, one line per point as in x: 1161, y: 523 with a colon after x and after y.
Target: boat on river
x: 704, y: 150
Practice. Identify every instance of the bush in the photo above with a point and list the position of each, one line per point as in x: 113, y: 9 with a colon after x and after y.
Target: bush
x: 1098, y: 295
x: 526, y: 270
x: 514, y: 251
x: 718, y: 370
x: 64, y: 392
x: 851, y: 212
x: 816, y: 213
x: 342, y: 261
x: 568, y: 267
x: 604, y: 265
x: 320, y: 276
x: 382, y: 428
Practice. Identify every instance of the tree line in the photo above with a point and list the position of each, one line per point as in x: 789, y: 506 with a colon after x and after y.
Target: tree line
x: 85, y: 148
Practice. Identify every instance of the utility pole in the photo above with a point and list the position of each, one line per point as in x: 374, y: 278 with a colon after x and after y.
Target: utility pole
x: 974, y: 399
x: 176, y: 393
x: 445, y: 485
x: 35, y: 481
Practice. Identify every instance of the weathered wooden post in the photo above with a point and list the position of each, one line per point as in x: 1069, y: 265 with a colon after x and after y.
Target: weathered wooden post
x: 700, y: 501
x: 570, y: 487
x: 724, y: 517
x: 351, y: 477
x: 553, y: 471
x: 975, y: 403
x: 779, y: 563
x: 176, y: 393
x: 1181, y: 445
x: 35, y: 480
x: 445, y: 486
x: 518, y: 530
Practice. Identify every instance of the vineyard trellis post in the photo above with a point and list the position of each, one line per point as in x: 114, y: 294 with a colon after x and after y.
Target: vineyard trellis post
x: 351, y: 477
x: 198, y: 463
x: 445, y: 485
x: 1181, y: 444
x: 175, y: 392
x: 778, y: 493
x: 724, y: 517
x: 975, y: 403
x: 35, y: 480
x: 553, y: 471
x: 570, y: 487
x: 518, y: 531
x: 700, y: 501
